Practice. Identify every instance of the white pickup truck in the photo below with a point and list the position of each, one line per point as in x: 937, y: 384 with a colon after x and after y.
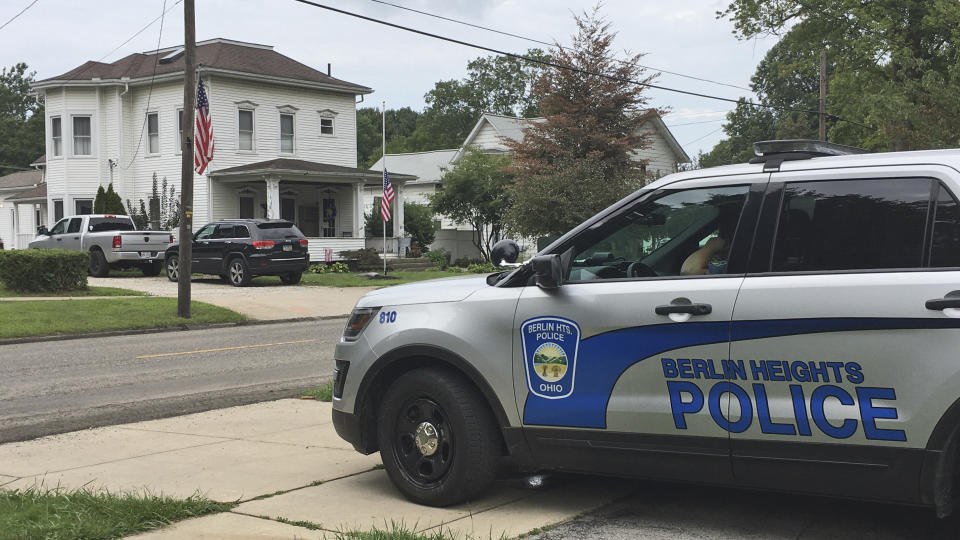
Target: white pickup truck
x: 113, y: 242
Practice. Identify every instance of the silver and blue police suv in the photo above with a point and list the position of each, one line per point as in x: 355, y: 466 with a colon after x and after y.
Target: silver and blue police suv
x: 792, y: 324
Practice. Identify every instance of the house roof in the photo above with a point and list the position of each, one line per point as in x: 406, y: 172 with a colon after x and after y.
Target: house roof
x: 38, y: 193
x: 426, y: 166
x: 21, y: 179
x: 511, y: 127
x: 223, y: 55
x: 302, y: 167
x: 40, y: 161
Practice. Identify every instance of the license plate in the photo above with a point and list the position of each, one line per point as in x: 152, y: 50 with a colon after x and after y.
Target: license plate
x: 288, y: 248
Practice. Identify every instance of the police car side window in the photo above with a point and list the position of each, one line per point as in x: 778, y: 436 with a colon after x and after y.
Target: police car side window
x: 852, y: 225
x: 679, y: 233
x: 945, y: 241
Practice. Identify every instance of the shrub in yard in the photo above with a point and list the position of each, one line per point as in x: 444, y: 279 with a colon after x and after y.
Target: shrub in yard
x: 464, y: 262
x: 44, y: 270
x: 366, y: 258
x: 332, y: 268
x: 439, y: 257
x: 481, y: 268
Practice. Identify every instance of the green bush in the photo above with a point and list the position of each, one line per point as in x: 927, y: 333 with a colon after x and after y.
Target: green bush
x: 363, y: 259
x: 464, y: 262
x: 332, y: 268
x: 44, y: 270
x: 481, y: 268
x: 439, y: 257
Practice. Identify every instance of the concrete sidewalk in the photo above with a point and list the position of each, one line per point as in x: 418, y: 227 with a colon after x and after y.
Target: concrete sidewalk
x: 283, y: 462
x: 260, y: 301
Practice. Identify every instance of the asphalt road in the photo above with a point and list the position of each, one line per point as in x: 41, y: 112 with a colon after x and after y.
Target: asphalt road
x: 59, y: 386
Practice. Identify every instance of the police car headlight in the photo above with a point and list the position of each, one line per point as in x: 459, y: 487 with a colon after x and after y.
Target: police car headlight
x: 359, y: 320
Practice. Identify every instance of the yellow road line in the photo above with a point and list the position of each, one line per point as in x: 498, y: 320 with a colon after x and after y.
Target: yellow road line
x: 225, y: 348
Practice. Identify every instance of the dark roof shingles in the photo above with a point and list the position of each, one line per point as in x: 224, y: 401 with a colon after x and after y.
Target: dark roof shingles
x: 39, y: 192
x: 218, y: 54
x: 21, y: 179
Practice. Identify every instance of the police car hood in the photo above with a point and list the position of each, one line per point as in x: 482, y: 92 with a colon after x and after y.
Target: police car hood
x: 452, y: 289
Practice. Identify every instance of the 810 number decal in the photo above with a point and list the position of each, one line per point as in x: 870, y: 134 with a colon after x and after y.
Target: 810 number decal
x: 388, y: 317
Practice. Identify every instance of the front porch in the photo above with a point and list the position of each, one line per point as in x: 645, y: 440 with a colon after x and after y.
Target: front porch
x: 28, y: 212
x: 324, y: 201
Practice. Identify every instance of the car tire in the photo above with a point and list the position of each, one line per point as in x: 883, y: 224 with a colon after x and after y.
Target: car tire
x: 173, y: 268
x: 238, y: 274
x: 291, y: 278
x: 98, y: 264
x: 460, y: 441
x: 152, y: 269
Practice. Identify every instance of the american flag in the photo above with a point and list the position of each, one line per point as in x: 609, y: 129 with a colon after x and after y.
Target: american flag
x: 203, y: 135
x: 387, y: 196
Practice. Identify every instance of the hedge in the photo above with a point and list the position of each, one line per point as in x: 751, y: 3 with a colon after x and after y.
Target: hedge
x: 44, y: 270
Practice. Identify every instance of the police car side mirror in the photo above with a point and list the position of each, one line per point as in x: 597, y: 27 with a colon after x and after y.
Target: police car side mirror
x: 548, y: 270
x: 504, y: 250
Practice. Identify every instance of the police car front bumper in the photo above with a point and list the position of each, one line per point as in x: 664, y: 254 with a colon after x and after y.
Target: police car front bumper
x: 349, y: 429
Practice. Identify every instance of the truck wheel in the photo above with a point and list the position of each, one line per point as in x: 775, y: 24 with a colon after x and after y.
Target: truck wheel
x: 173, y: 268
x: 291, y: 278
x: 238, y: 273
x: 98, y: 264
x: 438, y: 440
x: 152, y: 268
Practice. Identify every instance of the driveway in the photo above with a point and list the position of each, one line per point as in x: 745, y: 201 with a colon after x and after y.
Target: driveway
x: 263, y: 300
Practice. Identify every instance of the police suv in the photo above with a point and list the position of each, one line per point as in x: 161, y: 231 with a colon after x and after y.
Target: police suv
x: 791, y: 324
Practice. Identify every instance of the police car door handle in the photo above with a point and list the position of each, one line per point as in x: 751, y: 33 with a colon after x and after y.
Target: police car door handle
x: 692, y: 309
x: 940, y: 304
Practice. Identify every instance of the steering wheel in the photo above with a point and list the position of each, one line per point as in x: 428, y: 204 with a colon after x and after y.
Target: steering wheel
x: 638, y: 269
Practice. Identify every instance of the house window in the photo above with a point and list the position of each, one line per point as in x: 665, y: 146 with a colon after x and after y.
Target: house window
x: 56, y: 136
x: 326, y: 126
x: 246, y: 207
x: 246, y: 129
x: 179, y: 143
x: 57, y: 209
x: 82, y: 136
x: 153, y: 133
x: 286, y: 133
x: 83, y: 206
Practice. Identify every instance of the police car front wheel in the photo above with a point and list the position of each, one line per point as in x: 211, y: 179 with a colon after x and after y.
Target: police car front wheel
x: 438, y: 440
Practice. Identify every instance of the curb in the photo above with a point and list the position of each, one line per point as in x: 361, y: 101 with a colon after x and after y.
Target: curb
x: 161, y: 329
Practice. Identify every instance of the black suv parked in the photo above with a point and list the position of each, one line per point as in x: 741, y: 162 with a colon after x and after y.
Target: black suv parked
x: 239, y: 249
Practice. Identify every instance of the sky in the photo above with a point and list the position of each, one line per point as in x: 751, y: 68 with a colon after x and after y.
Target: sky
x: 683, y: 37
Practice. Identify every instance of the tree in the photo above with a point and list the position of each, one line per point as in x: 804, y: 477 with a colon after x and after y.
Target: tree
x: 579, y: 160
x: 166, y: 211
x: 418, y: 222
x: 896, y: 66
x: 744, y: 126
x: 99, y: 202
x: 475, y: 191
x: 21, y: 118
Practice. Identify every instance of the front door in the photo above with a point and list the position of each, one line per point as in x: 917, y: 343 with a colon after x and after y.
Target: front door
x: 621, y: 369
x: 847, y: 369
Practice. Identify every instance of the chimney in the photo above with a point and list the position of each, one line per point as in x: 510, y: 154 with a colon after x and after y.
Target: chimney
x: 328, y: 69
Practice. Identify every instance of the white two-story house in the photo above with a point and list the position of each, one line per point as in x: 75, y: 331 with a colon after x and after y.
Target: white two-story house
x: 284, y: 134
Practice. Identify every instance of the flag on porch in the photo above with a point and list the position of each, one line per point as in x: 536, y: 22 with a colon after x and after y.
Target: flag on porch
x: 387, y: 196
x: 203, y: 134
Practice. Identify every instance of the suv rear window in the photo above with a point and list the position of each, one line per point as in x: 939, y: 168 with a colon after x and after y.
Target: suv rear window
x: 278, y: 230
x: 110, y: 224
x: 852, y: 225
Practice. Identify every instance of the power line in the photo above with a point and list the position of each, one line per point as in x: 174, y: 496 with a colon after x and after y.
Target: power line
x: 694, y: 123
x: 156, y: 62
x: 533, y: 40
x: 703, y: 137
x: 22, y: 11
x: 569, y: 68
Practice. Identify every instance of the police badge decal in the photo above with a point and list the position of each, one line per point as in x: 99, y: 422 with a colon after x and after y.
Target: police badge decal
x: 550, y: 355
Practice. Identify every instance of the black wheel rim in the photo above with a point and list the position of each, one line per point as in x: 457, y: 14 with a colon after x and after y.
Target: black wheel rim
x: 423, y: 470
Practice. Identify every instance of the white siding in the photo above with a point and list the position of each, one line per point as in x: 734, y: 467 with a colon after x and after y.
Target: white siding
x: 662, y: 159
x: 487, y: 139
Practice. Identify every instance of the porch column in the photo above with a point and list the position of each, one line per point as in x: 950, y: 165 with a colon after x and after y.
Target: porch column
x: 398, y: 210
x: 273, y: 197
x: 358, y: 210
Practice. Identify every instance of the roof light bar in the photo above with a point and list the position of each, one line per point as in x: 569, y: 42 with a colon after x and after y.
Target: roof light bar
x: 805, y: 146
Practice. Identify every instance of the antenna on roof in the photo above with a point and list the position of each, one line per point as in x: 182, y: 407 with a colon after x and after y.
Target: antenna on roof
x: 177, y: 53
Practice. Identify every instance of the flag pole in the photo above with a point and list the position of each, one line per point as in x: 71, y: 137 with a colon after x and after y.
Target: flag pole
x: 384, y: 140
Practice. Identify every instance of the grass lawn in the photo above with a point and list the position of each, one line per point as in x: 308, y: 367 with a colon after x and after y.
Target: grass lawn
x: 48, y: 317
x: 89, y: 291
x: 320, y: 393
x: 60, y: 514
x: 352, y: 280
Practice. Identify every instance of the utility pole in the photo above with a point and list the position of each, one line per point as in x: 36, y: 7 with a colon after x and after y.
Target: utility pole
x: 823, y: 95
x: 186, y: 168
